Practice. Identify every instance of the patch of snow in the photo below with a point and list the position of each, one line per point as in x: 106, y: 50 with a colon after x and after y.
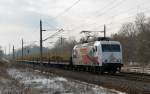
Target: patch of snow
x: 61, y: 79
x: 53, y: 84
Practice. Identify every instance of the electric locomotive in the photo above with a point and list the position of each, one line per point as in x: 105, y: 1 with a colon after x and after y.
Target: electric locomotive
x: 102, y: 55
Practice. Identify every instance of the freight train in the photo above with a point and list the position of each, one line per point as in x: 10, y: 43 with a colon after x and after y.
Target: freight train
x: 102, y: 55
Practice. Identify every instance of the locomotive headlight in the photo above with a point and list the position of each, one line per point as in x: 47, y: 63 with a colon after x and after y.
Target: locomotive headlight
x: 106, y: 61
x: 118, y: 60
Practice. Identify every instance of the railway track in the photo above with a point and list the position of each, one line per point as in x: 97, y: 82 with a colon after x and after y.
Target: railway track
x: 140, y: 77
x: 133, y: 83
x: 131, y: 76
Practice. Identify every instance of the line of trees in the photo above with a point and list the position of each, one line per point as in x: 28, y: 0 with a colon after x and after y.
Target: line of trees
x: 64, y: 45
x: 135, y: 40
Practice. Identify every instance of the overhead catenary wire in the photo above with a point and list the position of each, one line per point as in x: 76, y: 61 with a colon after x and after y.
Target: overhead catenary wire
x: 67, y: 9
x: 119, y: 23
x: 111, y: 8
x: 128, y: 10
x: 58, y: 32
x: 46, y: 34
x: 132, y: 16
x: 75, y: 4
x: 125, y: 12
x: 112, y: 5
x: 109, y: 4
x: 60, y: 14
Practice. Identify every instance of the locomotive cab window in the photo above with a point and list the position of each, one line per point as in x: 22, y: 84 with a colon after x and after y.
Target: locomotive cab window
x: 110, y: 48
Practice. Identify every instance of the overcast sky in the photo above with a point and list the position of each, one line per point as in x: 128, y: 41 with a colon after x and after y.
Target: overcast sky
x: 20, y: 18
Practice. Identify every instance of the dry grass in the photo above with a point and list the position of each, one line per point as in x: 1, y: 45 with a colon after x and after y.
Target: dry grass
x: 8, y: 85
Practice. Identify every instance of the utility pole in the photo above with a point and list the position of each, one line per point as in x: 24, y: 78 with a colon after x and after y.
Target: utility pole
x: 9, y: 52
x: 13, y: 53
x: 41, y: 42
x: 5, y: 51
x: 104, y: 31
x: 61, y: 40
x: 22, y: 48
x: 61, y: 43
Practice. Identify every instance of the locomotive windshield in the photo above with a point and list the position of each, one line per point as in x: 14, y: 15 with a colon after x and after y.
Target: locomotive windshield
x: 110, y: 48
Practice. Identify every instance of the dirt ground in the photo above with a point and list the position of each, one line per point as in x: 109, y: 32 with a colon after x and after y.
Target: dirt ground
x: 8, y: 85
x: 25, y: 81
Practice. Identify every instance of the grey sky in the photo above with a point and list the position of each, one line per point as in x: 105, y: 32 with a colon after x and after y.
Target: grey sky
x: 20, y: 18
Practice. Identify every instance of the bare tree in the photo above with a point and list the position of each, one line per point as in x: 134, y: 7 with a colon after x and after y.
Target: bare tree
x: 135, y: 39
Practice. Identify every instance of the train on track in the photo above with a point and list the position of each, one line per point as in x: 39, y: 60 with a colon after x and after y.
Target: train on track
x: 102, y: 55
